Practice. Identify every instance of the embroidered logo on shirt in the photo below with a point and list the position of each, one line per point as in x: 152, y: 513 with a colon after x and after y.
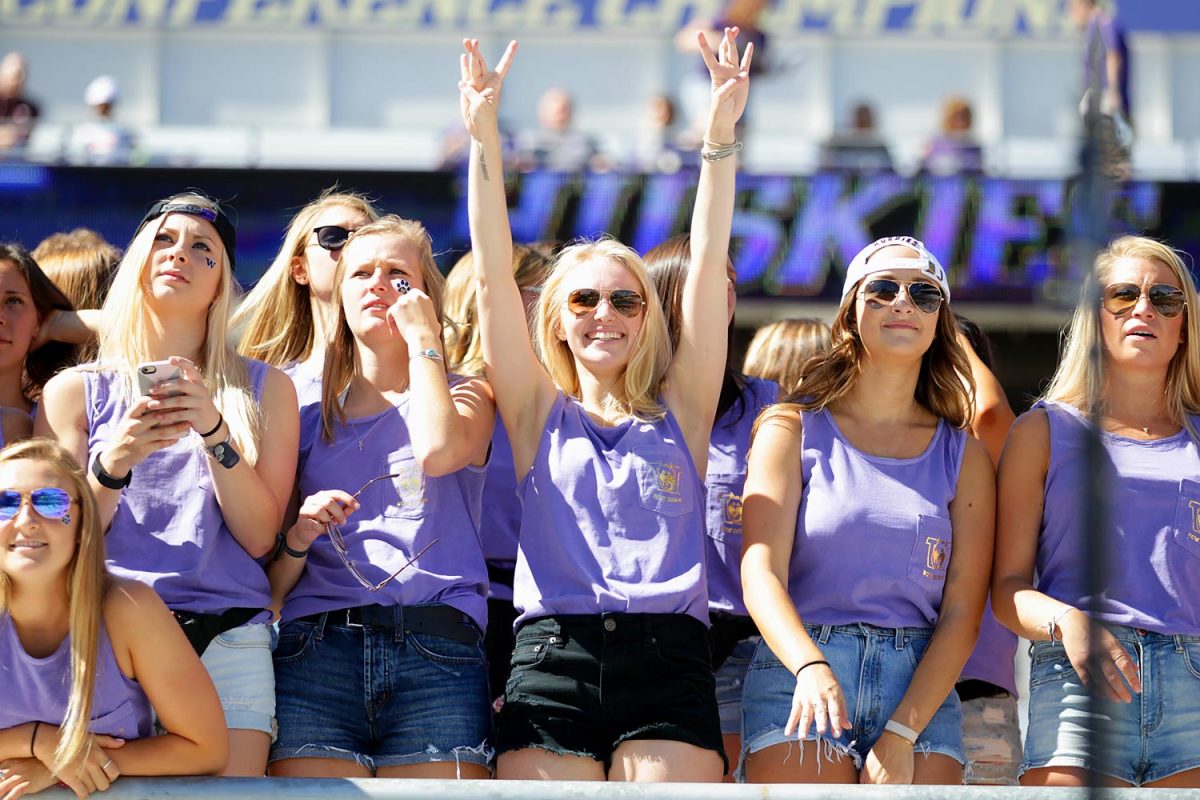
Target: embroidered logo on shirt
x: 667, y: 479
x: 935, y: 557
x: 733, y: 510
x: 1194, y: 533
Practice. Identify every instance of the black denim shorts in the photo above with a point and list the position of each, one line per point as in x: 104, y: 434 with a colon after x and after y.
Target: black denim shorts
x: 583, y: 684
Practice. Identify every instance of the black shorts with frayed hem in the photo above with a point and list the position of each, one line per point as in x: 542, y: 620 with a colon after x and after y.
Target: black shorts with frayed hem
x: 583, y: 684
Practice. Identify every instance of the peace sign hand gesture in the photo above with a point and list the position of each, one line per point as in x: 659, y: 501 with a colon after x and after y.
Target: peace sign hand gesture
x: 479, y: 88
x: 730, y: 77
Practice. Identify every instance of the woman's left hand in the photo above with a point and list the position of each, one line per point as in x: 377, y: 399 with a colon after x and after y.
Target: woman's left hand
x: 190, y: 398
x: 412, y: 317
x: 23, y: 776
x: 890, y: 761
x: 730, y: 77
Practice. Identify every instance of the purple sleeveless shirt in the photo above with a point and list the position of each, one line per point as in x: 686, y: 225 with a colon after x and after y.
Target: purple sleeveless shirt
x: 726, y: 478
x: 306, y: 377
x: 501, y: 528
x: 873, y: 534
x: 37, y: 689
x: 1154, y: 516
x: 994, y: 657
x: 612, y: 520
x: 397, y: 518
x: 168, y: 531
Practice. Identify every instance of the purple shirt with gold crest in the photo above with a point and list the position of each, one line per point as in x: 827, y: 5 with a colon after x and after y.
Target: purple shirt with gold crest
x: 613, y: 520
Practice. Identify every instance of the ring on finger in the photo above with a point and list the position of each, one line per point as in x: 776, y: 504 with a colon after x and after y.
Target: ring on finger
x: 104, y: 767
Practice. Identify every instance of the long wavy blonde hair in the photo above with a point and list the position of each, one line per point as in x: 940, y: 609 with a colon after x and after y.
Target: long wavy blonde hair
x: 341, y: 358
x: 638, y: 393
x: 122, y: 343
x: 1078, y: 381
x: 779, y: 350
x: 275, y: 320
x: 87, y: 581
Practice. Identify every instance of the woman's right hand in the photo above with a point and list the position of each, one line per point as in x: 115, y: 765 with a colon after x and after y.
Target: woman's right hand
x: 93, y: 771
x: 479, y: 88
x: 149, y: 425
x: 317, y: 511
x: 1115, y: 665
x: 817, y: 699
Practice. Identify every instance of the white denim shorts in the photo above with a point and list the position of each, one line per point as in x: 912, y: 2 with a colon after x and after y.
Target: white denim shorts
x: 239, y: 663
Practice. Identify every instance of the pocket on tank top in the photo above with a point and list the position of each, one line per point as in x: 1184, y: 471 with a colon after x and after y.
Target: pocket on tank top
x: 663, y: 480
x: 724, y: 510
x: 931, y: 552
x: 1187, y: 517
x: 403, y: 495
x: 121, y: 722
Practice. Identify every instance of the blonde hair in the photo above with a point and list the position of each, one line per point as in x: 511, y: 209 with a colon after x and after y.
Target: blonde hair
x: 81, y: 263
x: 637, y: 394
x: 780, y: 350
x: 275, y: 318
x: 1077, y: 381
x: 945, y: 387
x: 341, y: 360
x: 127, y: 321
x: 87, y: 581
x: 464, y: 344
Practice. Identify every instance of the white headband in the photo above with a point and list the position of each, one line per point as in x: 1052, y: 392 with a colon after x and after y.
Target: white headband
x: 862, y: 265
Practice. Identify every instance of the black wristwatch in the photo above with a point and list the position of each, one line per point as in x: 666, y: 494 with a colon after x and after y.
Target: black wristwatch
x: 224, y: 453
x: 106, y: 480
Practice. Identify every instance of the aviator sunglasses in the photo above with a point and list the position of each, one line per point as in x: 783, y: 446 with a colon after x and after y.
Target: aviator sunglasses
x: 625, y: 302
x: 50, y: 502
x: 1120, y: 298
x: 927, y: 297
x: 332, y: 237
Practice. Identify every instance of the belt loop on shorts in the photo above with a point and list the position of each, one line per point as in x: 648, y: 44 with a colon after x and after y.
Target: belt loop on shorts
x: 823, y: 637
x: 398, y: 629
x: 1179, y: 648
x: 901, y: 639
x: 319, y: 632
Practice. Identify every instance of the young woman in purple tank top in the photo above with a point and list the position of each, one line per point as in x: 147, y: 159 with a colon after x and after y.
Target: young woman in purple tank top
x: 380, y: 667
x: 84, y: 656
x: 868, y: 535
x: 734, y: 635
x: 286, y: 318
x: 192, y: 474
x: 610, y: 437
x: 1144, y: 396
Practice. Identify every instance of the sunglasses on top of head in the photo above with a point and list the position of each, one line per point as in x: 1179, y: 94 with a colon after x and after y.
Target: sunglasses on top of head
x: 1120, y: 298
x: 49, y: 502
x: 927, y: 297
x: 332, y: 237
x: 625, y: 302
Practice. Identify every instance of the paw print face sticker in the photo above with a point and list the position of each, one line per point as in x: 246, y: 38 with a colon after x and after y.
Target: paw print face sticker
x: 402, y: 286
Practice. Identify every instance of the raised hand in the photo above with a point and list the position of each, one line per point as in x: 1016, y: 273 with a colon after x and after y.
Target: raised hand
x: 730, y: 77
x: 412, y: 317
x: 479, y: 88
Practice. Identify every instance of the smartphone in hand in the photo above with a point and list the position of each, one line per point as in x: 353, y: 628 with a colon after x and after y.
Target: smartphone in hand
x: 152, y: 373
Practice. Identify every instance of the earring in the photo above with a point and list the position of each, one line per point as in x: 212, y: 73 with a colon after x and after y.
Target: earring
x: 66, y: 519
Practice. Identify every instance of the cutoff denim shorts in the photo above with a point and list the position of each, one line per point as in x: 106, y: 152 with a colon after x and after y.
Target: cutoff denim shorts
x: 874, y: 667
x: 380, y: 697
x: 239, y: 663
x: 1151, y: 738
x: 731, y: 678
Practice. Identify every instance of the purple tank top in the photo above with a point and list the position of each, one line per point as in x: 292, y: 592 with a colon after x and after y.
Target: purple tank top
x: 501, y: 528
x: 168, y: 530
x: 1154, y: 516
x: 612, y: 520
x: 873, y: 535
x: 397, y: 518
x: 726, y: 478
x: 306, y: 377
x: 994, y: 657
x: 37, y: 689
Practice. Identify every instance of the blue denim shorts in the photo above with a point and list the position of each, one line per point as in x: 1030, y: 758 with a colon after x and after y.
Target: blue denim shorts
x: 239, y: 663
x: 874, y: 667
x: 380, y: 697
x: 731, y: 677
x: 1149, y: 739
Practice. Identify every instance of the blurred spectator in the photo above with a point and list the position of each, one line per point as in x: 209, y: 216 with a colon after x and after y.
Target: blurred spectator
x: 779, y: 351
x: 17, y: 112
x: 955, y: 149
x: 1106, y: 77
x: 858, y: 147
x: 658, y: 147
x: 555, y: 145
x: 80, y: 263
x: 103, y: 140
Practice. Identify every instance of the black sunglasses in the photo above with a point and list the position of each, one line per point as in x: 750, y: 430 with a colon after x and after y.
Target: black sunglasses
x: 927, y: 297
x: 1120, y: 298
x: 50, y: 502
x: 625, y: 302
x: 332, y: 237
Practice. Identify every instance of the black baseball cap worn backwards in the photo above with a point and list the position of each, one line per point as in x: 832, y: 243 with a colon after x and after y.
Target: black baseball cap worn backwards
x: 216, y: 215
